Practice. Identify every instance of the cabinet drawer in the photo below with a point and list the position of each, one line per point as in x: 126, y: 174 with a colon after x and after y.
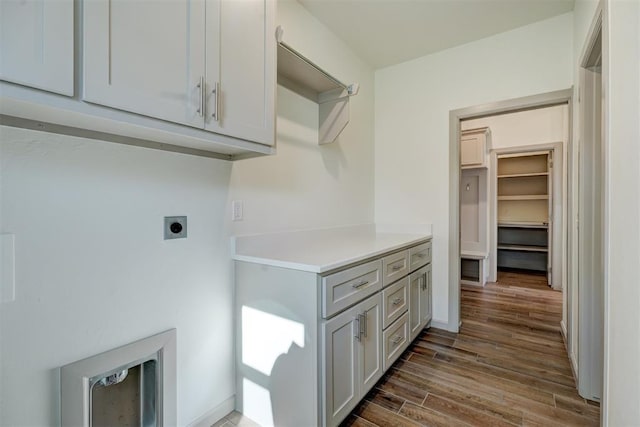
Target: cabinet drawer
x: 394, y: 340
x: 395, y: 301
x: 419, y: 255
x: 345, y: 288
x: 394, y: 266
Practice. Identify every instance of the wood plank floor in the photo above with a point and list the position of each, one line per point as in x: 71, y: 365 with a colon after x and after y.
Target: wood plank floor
x: 507, y: 366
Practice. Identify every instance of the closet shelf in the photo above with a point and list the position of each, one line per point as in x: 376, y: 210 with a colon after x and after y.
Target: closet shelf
x: 524, y: 175
x: 523, y: 248
x: 525, y: 197
x: 299, y: 74
x: 516, y: 224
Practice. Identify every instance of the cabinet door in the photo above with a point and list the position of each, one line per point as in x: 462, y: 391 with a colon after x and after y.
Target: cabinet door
x: 425, y: 297
x: 371, y: 344
x: 241, y: 80
x: 36, y: 44
x: 146, y: 57
x: 341, y: 336
x: 472, y: 150
x: 415, y: 291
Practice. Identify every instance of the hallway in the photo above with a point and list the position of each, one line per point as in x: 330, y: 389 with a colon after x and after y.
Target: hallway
x: 507, y: 366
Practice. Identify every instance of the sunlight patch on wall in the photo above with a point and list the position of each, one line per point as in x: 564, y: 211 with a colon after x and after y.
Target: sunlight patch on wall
x: 266, y: 336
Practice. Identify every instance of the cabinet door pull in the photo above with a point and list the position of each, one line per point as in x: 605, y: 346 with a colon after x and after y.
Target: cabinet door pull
x: 360, y: 284
x: 396, y: 301
x: 424, y: 281
x: 200, y: 87
x: 216, y: 101
x: 362, y: 324
x: 366, y: 329
x: 358, y: 327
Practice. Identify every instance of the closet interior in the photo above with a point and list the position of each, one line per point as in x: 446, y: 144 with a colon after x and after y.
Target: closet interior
x: 524, y: 208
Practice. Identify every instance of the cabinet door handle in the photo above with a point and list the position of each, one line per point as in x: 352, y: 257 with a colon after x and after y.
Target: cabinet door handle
x: 424, y: 281
x: 362, y: 324
x: 200, y: 87
x: 366, y: 328
x: 360, y: 284
x: 216, y: 102
x: 358, y: 327
x: 396, y: 301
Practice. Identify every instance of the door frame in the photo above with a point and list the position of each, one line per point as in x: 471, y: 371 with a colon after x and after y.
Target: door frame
x: 592, y: 196
x: 548, y: 99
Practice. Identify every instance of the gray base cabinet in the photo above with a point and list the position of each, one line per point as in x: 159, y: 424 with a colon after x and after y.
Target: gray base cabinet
x: 352, y: 366
x: 310, y: 346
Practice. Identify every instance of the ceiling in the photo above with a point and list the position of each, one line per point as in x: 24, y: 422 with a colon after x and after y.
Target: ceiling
x: 387, y: 32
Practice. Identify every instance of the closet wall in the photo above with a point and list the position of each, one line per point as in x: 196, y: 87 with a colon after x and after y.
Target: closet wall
x: 526, y: 129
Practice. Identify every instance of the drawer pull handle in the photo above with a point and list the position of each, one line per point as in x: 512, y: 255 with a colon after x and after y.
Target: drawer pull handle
x: 421, y: 255
x: 396, y: 340
x: 396, y: 267
x: 360, y: 284
x: 396, y: 301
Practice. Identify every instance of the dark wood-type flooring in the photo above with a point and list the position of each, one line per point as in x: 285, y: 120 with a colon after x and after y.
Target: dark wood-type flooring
x: 507, y: 366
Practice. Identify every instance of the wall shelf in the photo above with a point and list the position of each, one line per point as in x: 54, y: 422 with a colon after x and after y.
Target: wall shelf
x: 523, y: 175
x: 524, y: 248
x: 525, y: 197
x: 523, y: 225
x: 299, y: 74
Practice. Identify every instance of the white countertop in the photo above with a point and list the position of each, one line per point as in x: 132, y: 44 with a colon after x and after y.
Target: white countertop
x: 322, y: 250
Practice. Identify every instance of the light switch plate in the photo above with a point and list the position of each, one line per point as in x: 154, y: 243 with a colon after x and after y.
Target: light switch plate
x: 175, y: 227
x: 237, y: 210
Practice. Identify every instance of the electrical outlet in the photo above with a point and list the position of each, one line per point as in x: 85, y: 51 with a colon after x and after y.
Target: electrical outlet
x: 236, y: 210
x: 175, y: 227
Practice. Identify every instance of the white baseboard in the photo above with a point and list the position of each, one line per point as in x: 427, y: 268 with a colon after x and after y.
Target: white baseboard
x: 216, y: 414
x: 440, y: 325
x: 563, y: 331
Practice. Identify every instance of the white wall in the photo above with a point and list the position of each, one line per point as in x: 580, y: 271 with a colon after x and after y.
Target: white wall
x: 92, y: 269
x: 621, y: 72
x: 531, y: 127
x: 306, y: 185
x: 413, y: 101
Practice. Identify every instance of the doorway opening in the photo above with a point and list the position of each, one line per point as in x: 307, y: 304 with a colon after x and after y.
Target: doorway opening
x: 467, y: 119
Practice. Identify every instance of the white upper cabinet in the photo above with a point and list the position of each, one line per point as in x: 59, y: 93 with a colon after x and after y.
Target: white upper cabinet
x: 146, y: 57
x: 241, y: 69
x: 36, y: 44
x: 474, y: 144
x: 203, y: 63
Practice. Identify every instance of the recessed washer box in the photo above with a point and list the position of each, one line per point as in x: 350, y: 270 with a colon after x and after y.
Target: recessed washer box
x: 175, y: 227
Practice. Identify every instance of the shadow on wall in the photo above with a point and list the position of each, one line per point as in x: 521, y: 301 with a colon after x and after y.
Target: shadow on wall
x: 298, y: 126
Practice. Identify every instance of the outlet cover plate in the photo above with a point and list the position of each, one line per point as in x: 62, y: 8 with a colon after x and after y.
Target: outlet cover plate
x: 175, y: 227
